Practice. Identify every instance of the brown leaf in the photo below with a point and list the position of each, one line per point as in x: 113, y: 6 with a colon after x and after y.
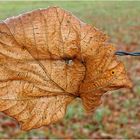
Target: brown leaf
x: 48, y: 58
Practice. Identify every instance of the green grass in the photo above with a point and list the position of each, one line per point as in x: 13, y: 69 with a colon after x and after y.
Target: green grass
x: 112, y: 17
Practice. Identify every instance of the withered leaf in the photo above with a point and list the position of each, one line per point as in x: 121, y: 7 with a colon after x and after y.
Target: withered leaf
x: 48, y: 58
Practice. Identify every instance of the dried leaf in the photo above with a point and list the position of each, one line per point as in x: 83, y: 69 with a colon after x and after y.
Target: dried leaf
x: 48, y: 58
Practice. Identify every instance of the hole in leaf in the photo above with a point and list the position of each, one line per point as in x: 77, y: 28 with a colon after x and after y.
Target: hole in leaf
x: 69, y: 61
x: 112, y: 72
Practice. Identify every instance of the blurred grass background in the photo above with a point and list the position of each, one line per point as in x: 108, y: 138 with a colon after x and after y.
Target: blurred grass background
x: 119, y: 115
